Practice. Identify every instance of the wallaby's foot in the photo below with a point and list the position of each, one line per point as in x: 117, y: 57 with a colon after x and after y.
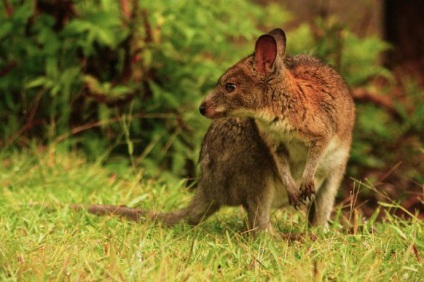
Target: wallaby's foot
x: 307, y: 190
x: 256, y: 230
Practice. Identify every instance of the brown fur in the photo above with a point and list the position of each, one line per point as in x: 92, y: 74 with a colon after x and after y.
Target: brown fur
x: 305, y: 114
x: 236, y: 169
x: 282, y: 134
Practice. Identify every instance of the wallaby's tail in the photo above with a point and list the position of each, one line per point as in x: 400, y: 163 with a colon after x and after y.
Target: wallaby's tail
x: 133, y: 214
x: 137, y: 215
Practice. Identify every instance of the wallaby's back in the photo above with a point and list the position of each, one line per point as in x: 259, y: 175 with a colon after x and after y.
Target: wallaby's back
x: 322, y: 91
x: 235, y: 162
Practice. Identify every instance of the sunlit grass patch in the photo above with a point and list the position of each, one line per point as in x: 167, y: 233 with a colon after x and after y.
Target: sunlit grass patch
x: 44, y: 239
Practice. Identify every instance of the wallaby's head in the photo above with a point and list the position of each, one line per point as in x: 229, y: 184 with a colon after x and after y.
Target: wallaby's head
x: 242, y: 90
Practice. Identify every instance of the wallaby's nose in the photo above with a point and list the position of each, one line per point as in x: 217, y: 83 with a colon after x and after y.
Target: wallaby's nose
x: 202, y: 109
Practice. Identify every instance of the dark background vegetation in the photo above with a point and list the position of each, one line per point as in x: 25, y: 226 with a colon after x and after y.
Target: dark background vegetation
x: 120, y: 81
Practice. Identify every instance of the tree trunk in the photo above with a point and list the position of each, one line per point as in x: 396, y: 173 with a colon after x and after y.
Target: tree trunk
x: 404, y: 29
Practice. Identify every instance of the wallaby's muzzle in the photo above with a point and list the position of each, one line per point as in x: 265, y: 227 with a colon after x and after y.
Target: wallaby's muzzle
x: 209, y: 110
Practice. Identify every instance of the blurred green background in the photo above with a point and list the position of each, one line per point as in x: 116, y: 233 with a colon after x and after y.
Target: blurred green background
x: 120, y: 81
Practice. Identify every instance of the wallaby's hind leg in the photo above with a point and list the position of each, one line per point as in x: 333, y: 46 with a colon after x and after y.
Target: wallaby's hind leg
x: 258, y: 216
x: 199, y: 209
x: 322, y: 205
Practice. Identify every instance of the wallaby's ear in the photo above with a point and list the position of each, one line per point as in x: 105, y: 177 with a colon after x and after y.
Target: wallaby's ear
x: 265, y: 54
x: 280, y: 38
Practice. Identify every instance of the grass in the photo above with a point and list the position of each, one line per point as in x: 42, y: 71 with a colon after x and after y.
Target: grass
x: 53, y: 242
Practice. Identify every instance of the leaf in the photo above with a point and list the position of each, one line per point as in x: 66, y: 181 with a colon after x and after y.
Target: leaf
x: 104, y: 115
x: 37, y: 82
x: 121, y: 90
x: 398, y: 230
x: 104, y: 36
x: 137, y: 200
x: 6, y: 28
x: 163, y: 96
x: 104, y: 19
x: 76, y: 26
x: 97, y: 27
x: 93, y: 84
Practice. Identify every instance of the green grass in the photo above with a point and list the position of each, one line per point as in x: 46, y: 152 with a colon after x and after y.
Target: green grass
x: 53, y: 242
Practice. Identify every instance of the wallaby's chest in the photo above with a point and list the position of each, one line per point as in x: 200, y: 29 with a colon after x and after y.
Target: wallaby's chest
x: 277, y: 132
x: 280, y: 133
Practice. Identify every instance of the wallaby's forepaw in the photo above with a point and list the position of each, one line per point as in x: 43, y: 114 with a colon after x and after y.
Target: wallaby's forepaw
x: 307, y: 190
x: 296, y: 200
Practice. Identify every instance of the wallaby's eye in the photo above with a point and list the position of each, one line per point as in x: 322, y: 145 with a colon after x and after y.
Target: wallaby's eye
x: 230, y: 87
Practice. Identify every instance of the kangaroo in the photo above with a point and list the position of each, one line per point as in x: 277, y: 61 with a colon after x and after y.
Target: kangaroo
x: 280, y: 135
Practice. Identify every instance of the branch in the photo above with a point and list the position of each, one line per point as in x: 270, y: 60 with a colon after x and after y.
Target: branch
x: 125, y: 8
x: 7, y: 68
x: 8, y: 8
x: 360, y: 94
x: 147, y: 27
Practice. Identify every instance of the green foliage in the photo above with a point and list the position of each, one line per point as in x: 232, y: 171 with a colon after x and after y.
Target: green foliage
x: 123, y: 84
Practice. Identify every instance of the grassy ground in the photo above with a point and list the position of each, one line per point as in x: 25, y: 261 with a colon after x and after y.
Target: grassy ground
x: 53, y: 242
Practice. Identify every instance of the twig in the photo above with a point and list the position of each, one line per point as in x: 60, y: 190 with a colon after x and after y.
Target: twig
x: 8, y: 8
x: 30, y: 123
x: 361, y: 94
x: 87, y: 126
x: 125, y: 8
x: 147, y: 27
x: 396, y: 166
x: 8, y: 68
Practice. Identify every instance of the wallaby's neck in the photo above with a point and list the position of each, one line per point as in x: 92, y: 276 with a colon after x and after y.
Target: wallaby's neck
x: 279, y: 100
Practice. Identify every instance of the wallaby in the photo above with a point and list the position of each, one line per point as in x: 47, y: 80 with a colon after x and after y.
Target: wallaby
x: 281, y: 132
x: 236, y: 169
x: 304, y: 112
